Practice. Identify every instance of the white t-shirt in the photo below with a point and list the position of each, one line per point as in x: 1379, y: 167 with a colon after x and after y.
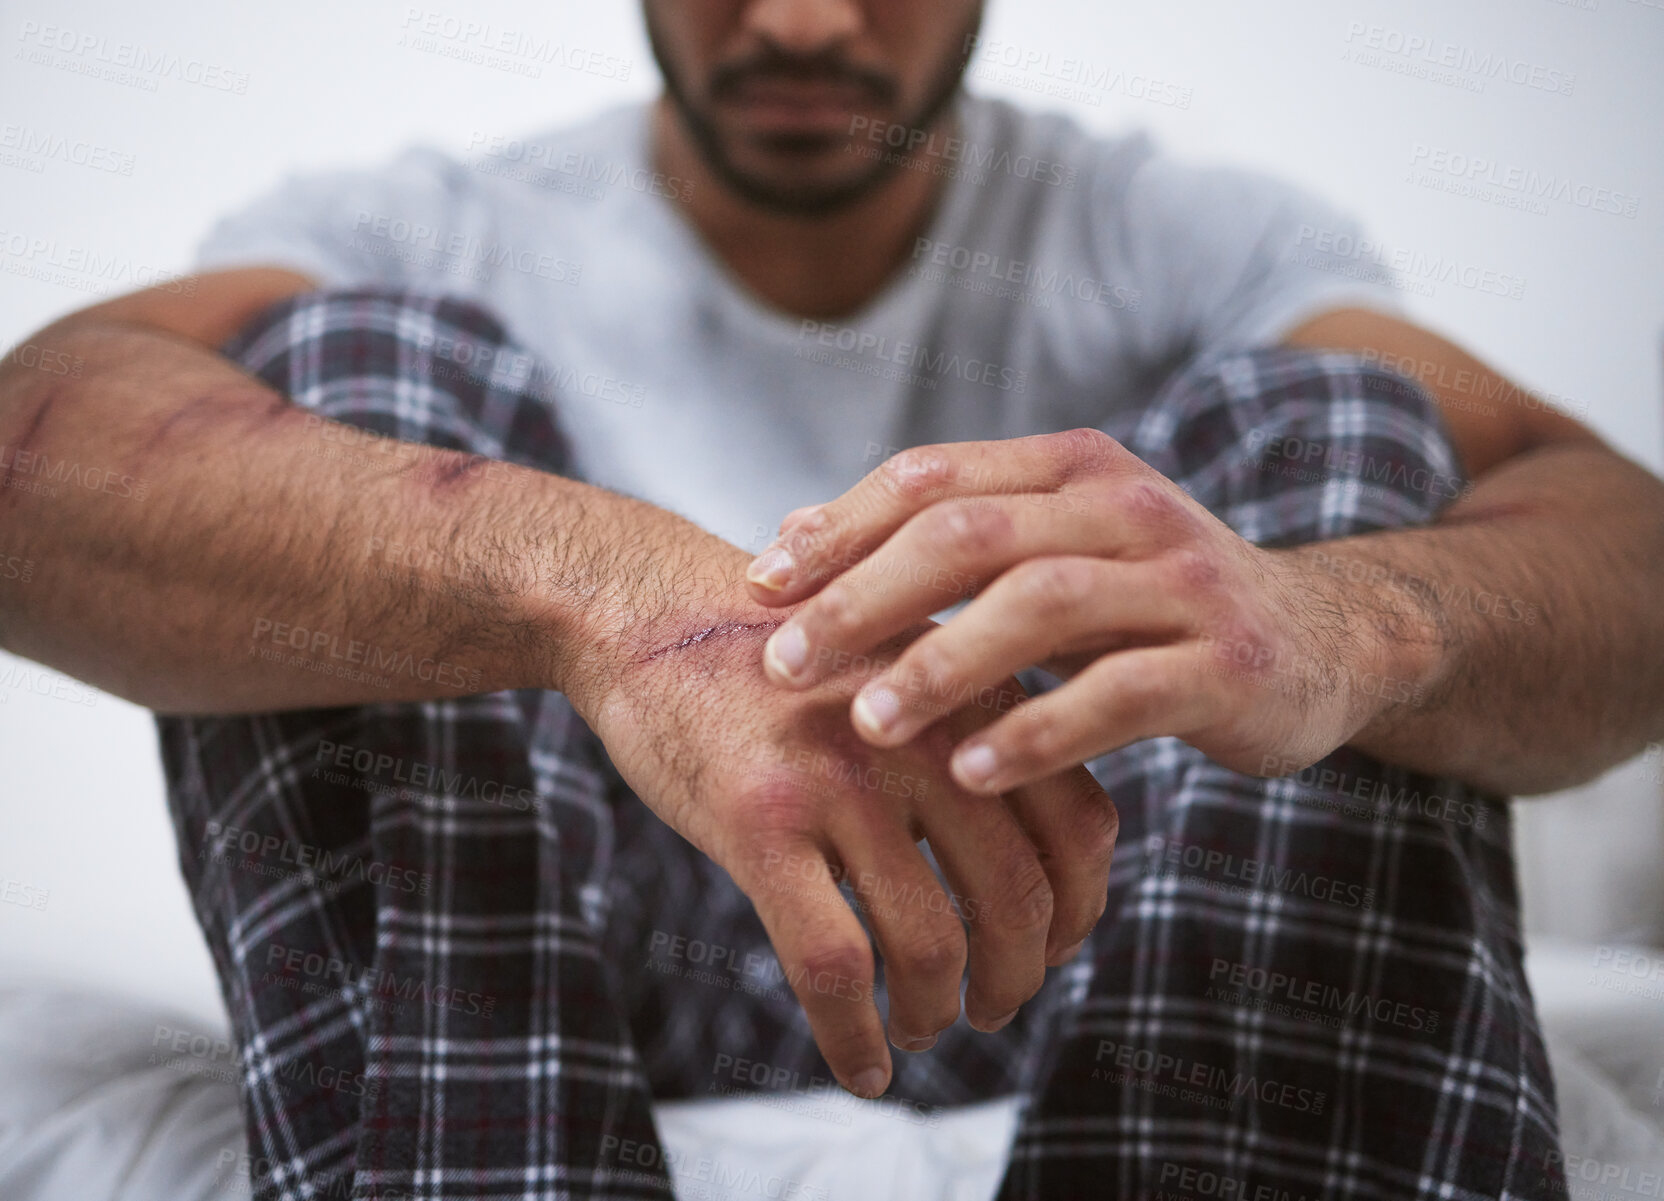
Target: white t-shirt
x: 1064, y: 277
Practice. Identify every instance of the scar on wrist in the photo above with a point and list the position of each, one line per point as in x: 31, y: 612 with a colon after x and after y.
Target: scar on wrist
x: 724, y: 630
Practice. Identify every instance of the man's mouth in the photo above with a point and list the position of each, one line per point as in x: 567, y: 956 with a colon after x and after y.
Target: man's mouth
x: 780, y: 105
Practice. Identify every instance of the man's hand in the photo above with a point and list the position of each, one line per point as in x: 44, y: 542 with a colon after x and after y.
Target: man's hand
x: 778, y: 791
x: 1085, y: 560
x: 530, y: 580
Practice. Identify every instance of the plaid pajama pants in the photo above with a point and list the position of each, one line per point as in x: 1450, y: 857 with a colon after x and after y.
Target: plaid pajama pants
x: 460, y: 957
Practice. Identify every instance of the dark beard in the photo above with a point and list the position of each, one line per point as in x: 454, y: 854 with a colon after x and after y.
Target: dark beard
x: 807, y: 200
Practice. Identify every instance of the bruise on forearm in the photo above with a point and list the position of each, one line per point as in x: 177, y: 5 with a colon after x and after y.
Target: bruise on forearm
x: 537, y: 580
x: 258, y: 407
x: 241, y: 521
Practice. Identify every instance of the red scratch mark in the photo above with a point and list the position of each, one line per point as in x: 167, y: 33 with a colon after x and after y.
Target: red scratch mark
x: 716, y: 631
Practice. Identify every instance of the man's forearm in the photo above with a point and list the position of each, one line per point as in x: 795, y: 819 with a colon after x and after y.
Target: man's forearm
x: 1527, y: 622
x: 258, y: 557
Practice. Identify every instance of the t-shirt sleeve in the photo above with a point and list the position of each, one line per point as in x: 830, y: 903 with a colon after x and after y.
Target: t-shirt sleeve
x: 1230, y: 259
x: 398, y: 226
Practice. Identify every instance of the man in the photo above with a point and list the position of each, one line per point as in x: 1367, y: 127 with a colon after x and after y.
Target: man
x: 445, y: 666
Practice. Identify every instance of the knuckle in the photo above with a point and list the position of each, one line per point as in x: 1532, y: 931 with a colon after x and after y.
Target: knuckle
x: 1193, y: 570
x: 1147, y: 504
x: 966, y: 530
x: 937, y: 951
x: 915, y: 474
x: 776, y: 810
x: 1055, y: 585
x: 830, y: 961
x: 808, y: 538
x: 1083, y: 902
x: 1046, y: 745
x: 1240, y: 637
x: 1086, y: 447
x: 1024, y: 900
x: 1093, y: 833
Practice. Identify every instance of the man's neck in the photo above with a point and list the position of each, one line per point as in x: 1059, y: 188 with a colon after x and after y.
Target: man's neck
x: 821, y: 266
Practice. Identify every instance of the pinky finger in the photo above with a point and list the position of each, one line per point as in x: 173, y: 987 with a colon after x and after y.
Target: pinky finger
x: 1124, y: 697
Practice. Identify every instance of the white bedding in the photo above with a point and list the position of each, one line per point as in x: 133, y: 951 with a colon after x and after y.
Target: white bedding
x: 94, y: 1105
x: 1605, y: 1029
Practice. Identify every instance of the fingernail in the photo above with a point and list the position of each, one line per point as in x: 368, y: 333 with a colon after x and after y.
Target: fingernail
x: 912, y: 1045
x: 787, y: 652
x: 975, y: 766
x: 877, y: 709
x: 771, y: 569
x: 869, y: 1083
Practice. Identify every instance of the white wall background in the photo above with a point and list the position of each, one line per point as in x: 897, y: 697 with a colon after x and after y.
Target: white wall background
x: 1278, y: 85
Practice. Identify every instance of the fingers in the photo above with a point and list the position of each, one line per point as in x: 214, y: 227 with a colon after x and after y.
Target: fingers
x: 826, y: 539
x: 935, y: 560
x: 827, y: 960
x: 1121, y: 698
x: 1072, y: 824
x: 1040, y: 608
x: 916, y: 925
x: 990, y: 861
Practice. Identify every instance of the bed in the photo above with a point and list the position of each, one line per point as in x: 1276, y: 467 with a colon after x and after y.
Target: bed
x: 105, y: 1098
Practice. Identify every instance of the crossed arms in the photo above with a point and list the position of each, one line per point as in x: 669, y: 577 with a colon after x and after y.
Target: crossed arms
x: 649, y: 627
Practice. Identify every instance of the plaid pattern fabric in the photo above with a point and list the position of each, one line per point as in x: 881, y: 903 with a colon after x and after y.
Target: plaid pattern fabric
x: 460, y: 957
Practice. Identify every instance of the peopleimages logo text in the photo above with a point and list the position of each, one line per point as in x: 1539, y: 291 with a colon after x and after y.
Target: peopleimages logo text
x: 912, y: 356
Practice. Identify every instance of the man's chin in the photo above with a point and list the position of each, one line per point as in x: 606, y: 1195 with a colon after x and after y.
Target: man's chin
x: 802, y: 180
x: 809, y: 169
x: 805, y: 198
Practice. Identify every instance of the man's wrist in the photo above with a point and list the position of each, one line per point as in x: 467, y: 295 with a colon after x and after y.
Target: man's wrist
x: 1400, y: 638
x: 653, y: 582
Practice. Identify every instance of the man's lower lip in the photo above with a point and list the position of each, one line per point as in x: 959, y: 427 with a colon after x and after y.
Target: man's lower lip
x: 814, y: 102
x: 816, y: 116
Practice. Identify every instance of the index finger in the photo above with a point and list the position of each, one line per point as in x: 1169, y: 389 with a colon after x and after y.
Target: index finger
x: 818, y: 543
